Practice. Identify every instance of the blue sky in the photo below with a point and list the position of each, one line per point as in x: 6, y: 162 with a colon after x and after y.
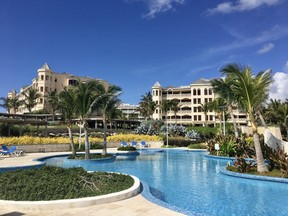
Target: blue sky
x: 134, y: 43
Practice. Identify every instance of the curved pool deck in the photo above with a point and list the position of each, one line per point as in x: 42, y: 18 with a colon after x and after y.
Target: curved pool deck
x: 137, y: 205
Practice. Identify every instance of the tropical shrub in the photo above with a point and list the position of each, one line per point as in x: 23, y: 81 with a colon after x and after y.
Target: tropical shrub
x: 126, y: 148
x: 180, y: 141
x: 204, y: 132
x: 242, y: 165
x: 151, y: 127
x: 227, y: 144
x: 276, y: 159
x: 198, y: 146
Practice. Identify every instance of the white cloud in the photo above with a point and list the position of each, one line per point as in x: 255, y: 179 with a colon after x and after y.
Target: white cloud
x: 159, y: 6
x: 266, y: 48
x: 285, y: 68
x: 241, y: 5
x: 273, y: 34
x: 278, y: 89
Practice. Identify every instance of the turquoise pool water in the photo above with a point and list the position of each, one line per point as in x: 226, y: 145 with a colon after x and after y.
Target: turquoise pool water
x: 191, y: 183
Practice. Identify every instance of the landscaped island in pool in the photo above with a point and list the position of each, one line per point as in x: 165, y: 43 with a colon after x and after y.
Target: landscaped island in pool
x: 188, y: 182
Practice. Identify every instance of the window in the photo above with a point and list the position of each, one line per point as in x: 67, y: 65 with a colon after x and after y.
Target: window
x: 55, y: 80
x: 156, y: 110
x: 205, y: 91
x: 211, y: 117
x: 156, y: 92
x: 41, y: 100
x: 42, y: 77
x: 41, y: 89
x: 210, y: 91
x: 55, y: 90
x: 47, y: 77
x: 46, y: 89
x: 210, y: 99
x: 206, y: 100
x: 194, y: 92
x: 195, y: 109
x: 199, y: 117
x: 199, y: 100
x: 195, y: 117
x: 199, y: 92
x: 195, y: 101
x: 72, y: 82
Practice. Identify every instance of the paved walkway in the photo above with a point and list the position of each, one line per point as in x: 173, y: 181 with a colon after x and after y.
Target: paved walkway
x: 137, y: 205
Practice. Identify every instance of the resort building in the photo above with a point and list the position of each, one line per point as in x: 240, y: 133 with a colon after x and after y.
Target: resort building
x: 190, y: 99
x: 130, y: 111
x: 45, y: 82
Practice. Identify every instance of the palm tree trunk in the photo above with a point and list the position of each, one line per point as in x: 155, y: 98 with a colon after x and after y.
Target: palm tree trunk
x: 230, y: 110
x: 71, y: 141
x: 104, y: 152
x: 261, y: 167
x: 262, y: 119
x: 87, y: 144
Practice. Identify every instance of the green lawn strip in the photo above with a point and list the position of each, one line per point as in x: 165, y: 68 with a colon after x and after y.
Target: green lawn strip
x: 197, y: 146
x: 53, y: 183
x: 253, y: 171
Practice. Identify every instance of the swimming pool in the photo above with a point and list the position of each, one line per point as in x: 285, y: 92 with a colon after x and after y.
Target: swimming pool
x: 192, y: 184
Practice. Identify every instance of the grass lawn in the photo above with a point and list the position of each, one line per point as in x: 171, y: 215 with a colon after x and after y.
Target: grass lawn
x: 53, y: 183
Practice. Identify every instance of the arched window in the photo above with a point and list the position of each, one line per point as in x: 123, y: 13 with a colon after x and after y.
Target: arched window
x: 194, y: 92
x: 205, y: 91
x: 210, y: 91
x: 198, y: 92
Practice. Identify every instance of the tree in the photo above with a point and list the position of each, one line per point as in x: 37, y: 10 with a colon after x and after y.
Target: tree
x: 147, y: 106
x: 30, y: 99
x: 250, y: 90
x: 53, y: 101
x: 222, y: 87
x: 175, y: 106
x: 165, y: 107
x: 85, y: 96
x: 6, y: 103
x: 205, y: 108
x: 66, y: 105
x: 216, y: 105
x: 105, y: 103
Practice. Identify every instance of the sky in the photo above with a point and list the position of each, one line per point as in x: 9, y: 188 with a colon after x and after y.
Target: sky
x: 134, y: 43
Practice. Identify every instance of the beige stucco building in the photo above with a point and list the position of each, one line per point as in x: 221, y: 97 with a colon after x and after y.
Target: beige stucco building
x: 46, y: 82
x: 190, y: 99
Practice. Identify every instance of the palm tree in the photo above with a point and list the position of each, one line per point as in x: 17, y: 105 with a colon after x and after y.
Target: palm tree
x: 147, y: 106
x: 175, y: 106
x: 30, y: 99
x: 205, y: 108
x: 53, y: 100
x: 66, y: 105
x: 165, y: 107
x: 104, y: 104
x: 216, y: 105
x: 15, y: 103
x: 6, y: 103
x: 250, y: 91
x: 85, y: 96
x: 222, y: 87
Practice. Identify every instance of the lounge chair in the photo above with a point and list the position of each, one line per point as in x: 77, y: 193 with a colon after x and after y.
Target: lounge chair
x: 143, y: 144
x: 124, y: 144
x: 134, y: 144
x: 12, y: 151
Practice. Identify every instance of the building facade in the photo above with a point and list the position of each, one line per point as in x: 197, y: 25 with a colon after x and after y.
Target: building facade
x: 47, y: 81
x: 190, y: 99
x: 130, y: 111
